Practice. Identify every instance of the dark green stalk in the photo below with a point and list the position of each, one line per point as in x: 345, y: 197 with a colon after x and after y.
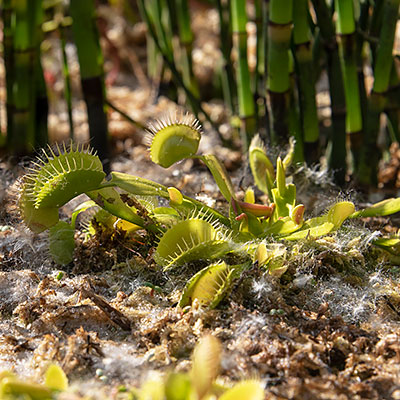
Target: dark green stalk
x: 42, y: 104
x: 337, y: 159
x: 174, y: 16
x: 245, y: 96
x: 153, y: 58
x: 392, y: 108
x: 67, y: 81
x: 393, y: 125
x: 153, y: 55
x: 159, y: 12
x: 194, y: 102
x: 265, y: 19
x: 305, y: 79
x: 41, y: 107
x: 22, y: 139
x: 227, y: 75
x: 279, y: 33
x: 362, y: 26
x: 383, y: 64
x: 90, y: 59
x: 295, y: 127
x: 345, y: 28
x: 260, y: 66
x: 186, y: 42
x: 8, y: 54
x: 125, y: 115
x: 375, y: 26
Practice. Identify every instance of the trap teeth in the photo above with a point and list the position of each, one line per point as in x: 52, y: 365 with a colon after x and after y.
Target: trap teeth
x: 173, y: 138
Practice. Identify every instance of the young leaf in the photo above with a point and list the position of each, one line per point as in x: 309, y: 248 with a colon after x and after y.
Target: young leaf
x: 205, y: 364
x: 12, y: 388
x: 110, y: 200
x: 383, y: 208
x: 190, y: 240
x: 174, y: 139
x: 36, y: 219
x: 210, y: 285
x: 272, y: 257
x: 339, y: 212
x: 61, y: 242
x: 249, y: 390
x: 391, y: 244
x: 81, y: 208
x: 261, y: 166
x: 220, y: 175
x: 55, y: 378
x: 320, y: 226
x: 178, y: 387
x: 60, y: 178
x: 175, y: 196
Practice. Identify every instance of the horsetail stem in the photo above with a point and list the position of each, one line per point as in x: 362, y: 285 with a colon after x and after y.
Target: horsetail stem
x: 279, y: 33
x: 245, y: 96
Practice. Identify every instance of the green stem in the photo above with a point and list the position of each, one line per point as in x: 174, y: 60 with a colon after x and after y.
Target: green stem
x: 8, y: 54
x: 228, y: 80
x: 245, y: 96
x: 337, y: 157
x: 25, y: 59
x: 305, y: 74
x: 90, y: 58
x: 194, y: 102
x: 42, y: 104
x: 345, y: 28
x: 67, y: 82
x: 279, y: 33
x: 370, y: 153
x: 125, y: 115
x: 186, y: 42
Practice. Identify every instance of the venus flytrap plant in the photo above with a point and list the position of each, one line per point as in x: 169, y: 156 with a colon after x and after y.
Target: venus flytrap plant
x: 186, y: 230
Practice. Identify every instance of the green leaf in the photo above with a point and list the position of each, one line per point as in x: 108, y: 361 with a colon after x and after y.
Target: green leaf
x: 61, y: 242
x: 283, y: 226
x: 12, y: 388
x: 391, y: 244
x: 189, y: 240
x: 261, y: 166
x: 284, y: 202
x: 205, y: 364
x: 110, y: 200
x: 174, y: 142
x: 210, y: 285
x: 178, y: 387
x: 320, y: 226
x: 249, y: 390
x: 63, y: 177
x: 55, y: 378
x: 383, y: 208
x: 311, y: 232
x: 220, y: 175
x: 136, y: 185
x: 81, y: 208
x: 37, y: 219
x: 340, y: 212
